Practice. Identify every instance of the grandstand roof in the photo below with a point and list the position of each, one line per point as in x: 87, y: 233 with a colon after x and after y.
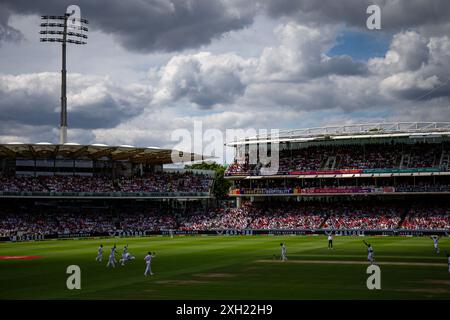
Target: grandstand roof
x: 353, y: 131
x: 45, y: 150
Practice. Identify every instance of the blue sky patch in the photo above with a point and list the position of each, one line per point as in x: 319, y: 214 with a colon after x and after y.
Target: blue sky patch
x: 361, y: 45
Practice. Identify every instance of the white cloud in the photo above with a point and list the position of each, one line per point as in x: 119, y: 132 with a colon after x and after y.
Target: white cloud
x: 408, y: 51
x: 414, y: 67
x: 207, y: 79
x: 203, y: 78
x: 287, y: 81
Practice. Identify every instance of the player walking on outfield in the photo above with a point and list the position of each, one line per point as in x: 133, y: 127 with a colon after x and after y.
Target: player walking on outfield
x: 283, y: 252
x: 99, y: 254
x: 148, y: 261
x: 369, y: 252
x: 436, y: 243
x: 112, y: 257
x: 330, y: 239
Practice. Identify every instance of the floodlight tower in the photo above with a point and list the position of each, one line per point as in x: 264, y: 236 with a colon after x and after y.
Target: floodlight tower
x: 69, y: 28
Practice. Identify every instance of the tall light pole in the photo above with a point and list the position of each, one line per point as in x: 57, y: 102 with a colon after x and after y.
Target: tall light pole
x: 69, y: 28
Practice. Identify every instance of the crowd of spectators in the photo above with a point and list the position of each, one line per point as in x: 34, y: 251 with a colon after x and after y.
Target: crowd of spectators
x: 219, y: 219
x: 157, y: 182
x: 167, y: 182
x: 316, y: 215
x: 257, y: 216
x: 433, y: 218
x: 347, y: 157
x: 308, y: 159
x: 364, y: 217
x: 423, y: 187
x: 49, y: 224
x: 17, y: 184
x: 238, y: 167
x: 289, y: 216
x: 58, y: 222
x: 74, y: 184
x: 368, y: 157
x: 149, y: 221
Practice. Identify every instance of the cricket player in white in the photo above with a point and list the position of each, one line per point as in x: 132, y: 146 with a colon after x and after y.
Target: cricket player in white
x: 112, y: 258
x: 283, y: 252
x: 369, y: 252
x: 99, y: 254
x: 148, y: 261
x: 436, y: 243
x: 126, y: 256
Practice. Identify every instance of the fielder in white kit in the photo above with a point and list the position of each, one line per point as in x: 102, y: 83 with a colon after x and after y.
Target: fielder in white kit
x: 112, y: 257
x: 435, y: 243
x: 99, y: 254
x: 369, y: 252
x: 148, y: 261
x: 283, y: 252
x: 126, y: 256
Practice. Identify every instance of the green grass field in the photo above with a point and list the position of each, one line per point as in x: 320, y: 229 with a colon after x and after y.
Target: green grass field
x: 229, y: 267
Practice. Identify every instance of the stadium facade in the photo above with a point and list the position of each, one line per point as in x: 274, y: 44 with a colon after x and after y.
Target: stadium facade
x: 74, y: 184
x: 373, y: 177
x: 96, y: 160
x: 372, y: 159
x: 387, y: 179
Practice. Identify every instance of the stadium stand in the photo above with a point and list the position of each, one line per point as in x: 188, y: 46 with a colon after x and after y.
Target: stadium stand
x: 427, y: 217
x: 156, y: 182
x: 351, y: 157
x: 378, y: 180
x: 348, y: 215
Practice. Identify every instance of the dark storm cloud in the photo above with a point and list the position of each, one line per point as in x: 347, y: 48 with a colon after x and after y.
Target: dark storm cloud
x: 418, y: 95
x: 106, y: 113
x: 34, y: 110
x: 163, y: 25
x: 32, y: 99
x: 43, y: 109
x: 395, y: 15
x: 150, y: 25
x: 418, y: 88
x: 12, y: 131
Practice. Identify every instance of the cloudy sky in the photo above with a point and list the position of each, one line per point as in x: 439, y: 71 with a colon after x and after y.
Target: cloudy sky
x: 153, y: 66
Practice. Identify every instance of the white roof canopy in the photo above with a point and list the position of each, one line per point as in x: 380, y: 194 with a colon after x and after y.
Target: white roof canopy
x: 95, y: 151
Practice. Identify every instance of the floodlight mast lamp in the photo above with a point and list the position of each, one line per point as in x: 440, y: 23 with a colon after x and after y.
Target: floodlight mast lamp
x: 63, y: 121
x: 58, y: 25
